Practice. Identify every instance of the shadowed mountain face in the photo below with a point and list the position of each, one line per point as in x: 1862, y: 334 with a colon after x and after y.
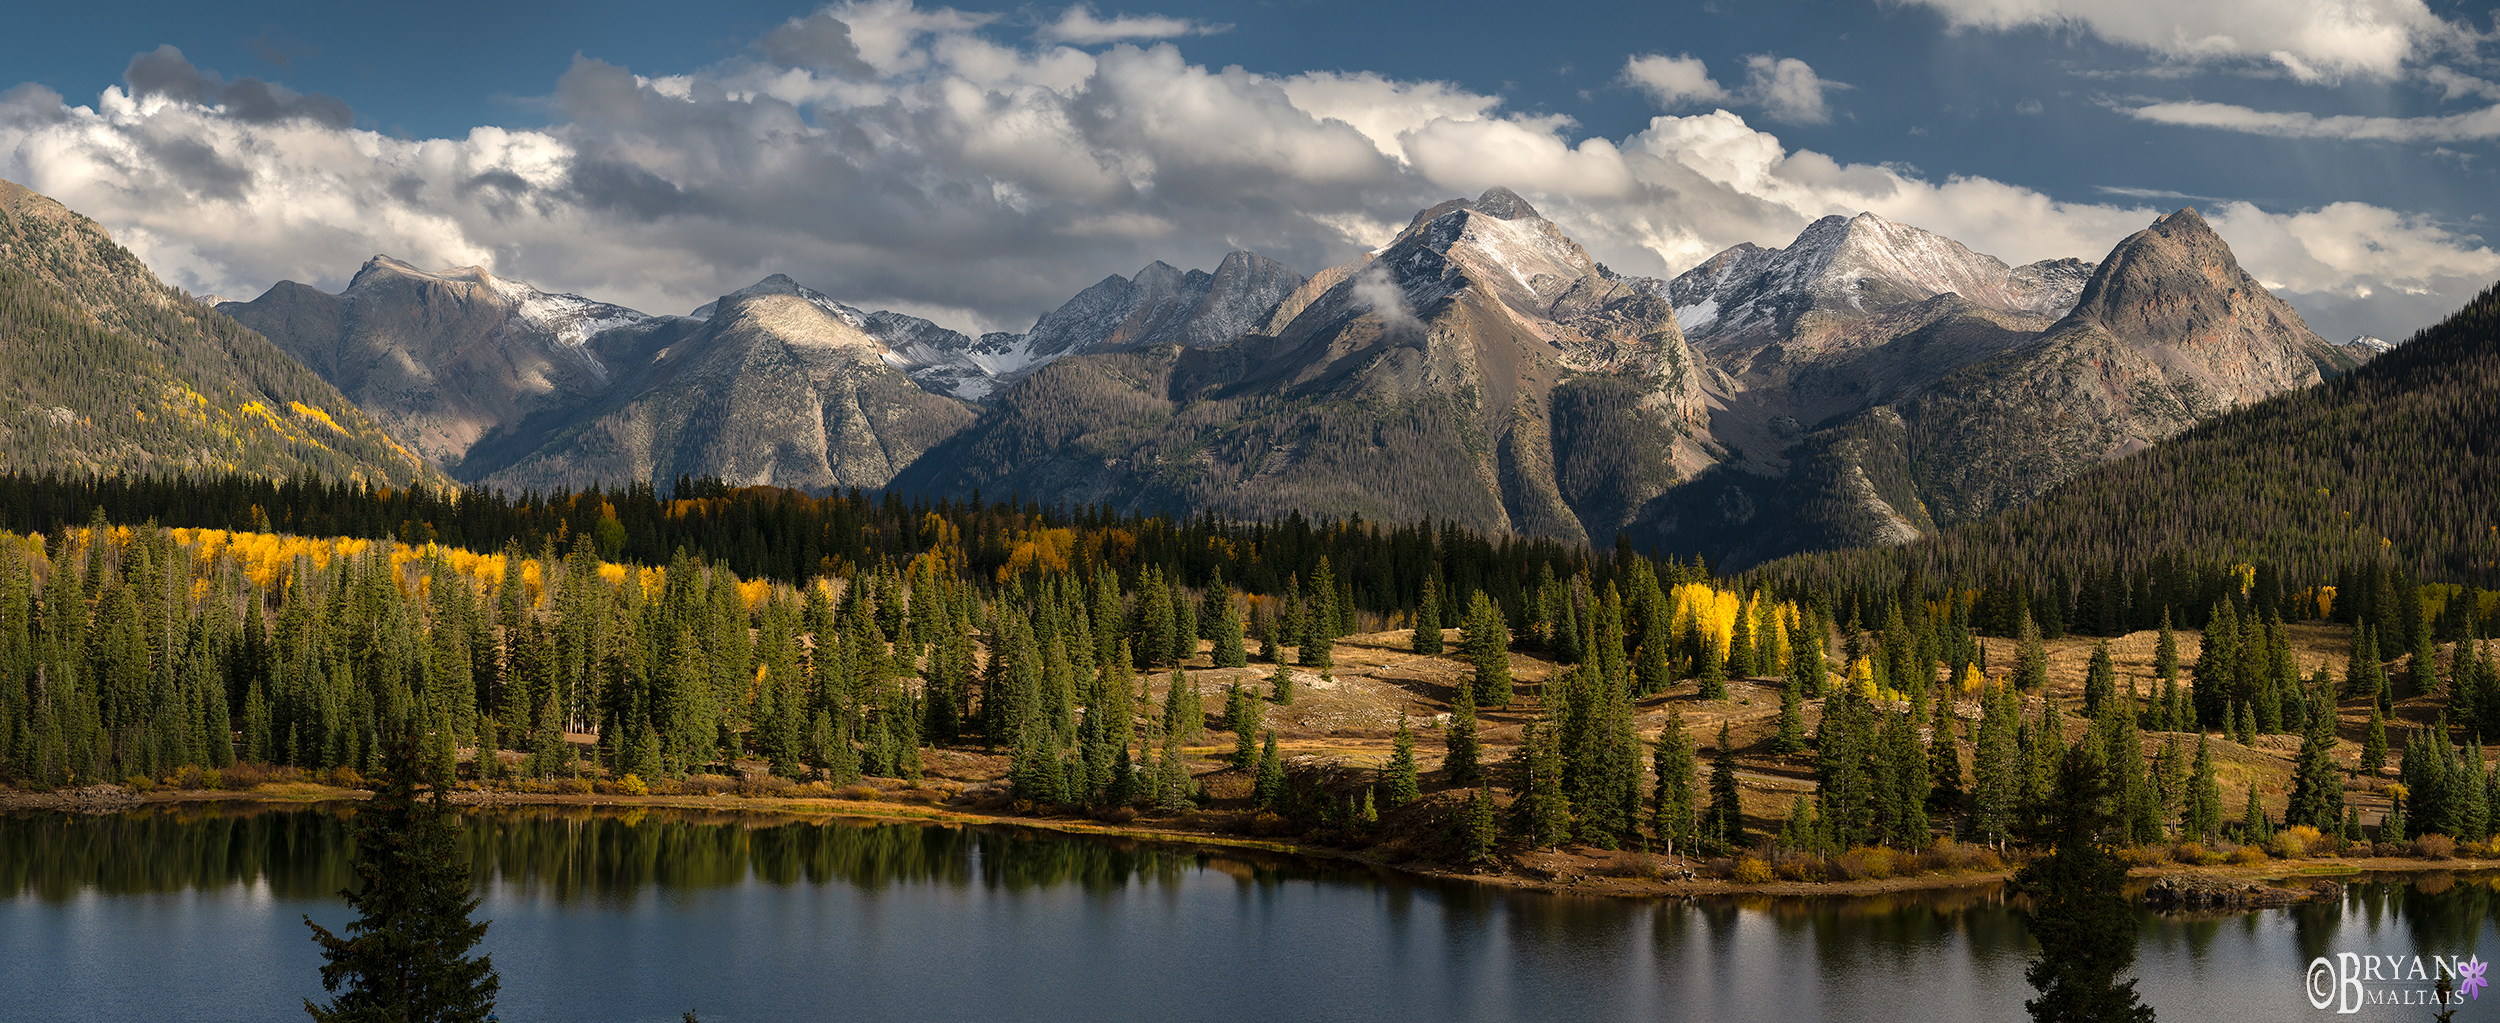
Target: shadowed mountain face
x: 1973, y: 408
x: 443, y: 358
x: 104, y: 369
x: 776, y: 383
x: 1480, y: 368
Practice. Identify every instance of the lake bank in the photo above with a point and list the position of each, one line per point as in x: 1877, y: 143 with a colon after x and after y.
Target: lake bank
x: 1569, y: 871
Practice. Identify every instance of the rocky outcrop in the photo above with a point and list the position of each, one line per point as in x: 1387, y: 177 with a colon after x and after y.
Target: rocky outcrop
x: 2194, y: 892
x: 772, y: 387
x: 2169, y: 331
x: 442, y: 358
x: 1877, y: 382
x: 1480, y: 368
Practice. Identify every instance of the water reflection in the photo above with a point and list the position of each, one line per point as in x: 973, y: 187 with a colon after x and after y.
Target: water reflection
x: 634, y: 914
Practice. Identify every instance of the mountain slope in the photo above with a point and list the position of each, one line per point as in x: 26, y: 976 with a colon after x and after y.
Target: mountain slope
x: 441, y: 358
x: 1895, y: 408
x: 1481, y: 368
x: 771, y: 387
x: 105, y: 369
x: 2388, y: 465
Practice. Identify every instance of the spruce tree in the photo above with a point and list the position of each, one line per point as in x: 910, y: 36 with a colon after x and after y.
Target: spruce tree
x: 406, y: 955
x: 1428, y: 618
x: 2374, y: 744
x: 2031, y: 656
x: 2203, y: 817
x: 1944, y: 763
x: 1226, y: 627
x: 2254, y: 827
x: 1724, y: 823
x: 2100, y: 682
x: 1475, y: 832
x: 1463, y: 761
x: 2079, y: 913
x: 1792, y: 734
x: 1486, y: 639
x: 1319, y: 630
x: 1672, y: 764
x: 1541, y: 812
x: 1280, y: 685
x: 1249, y: 714
x: 1270, y: 786
x: 1398, y: 777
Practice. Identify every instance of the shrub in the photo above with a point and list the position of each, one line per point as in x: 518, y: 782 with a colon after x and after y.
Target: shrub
x: 1751, y: 870
x: 1801, y: 868
x: 1866, y: 862
x: 139, y: 783
x: 859, y: 791
x: 2249, y: 855
x: 2294, y: 842
x: 212, y: 779
x: 346, y: 777
x: 2434, y: 847
x: 187, y: 778
x: 2391, y: 849
x: 632, y: 785
x: 2474, y: 851
x: 2188, y: 852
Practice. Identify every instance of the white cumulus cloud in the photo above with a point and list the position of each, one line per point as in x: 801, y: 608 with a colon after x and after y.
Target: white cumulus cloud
x: 2314, y: 40
x: 1082, y: 26
x: 926, y: 160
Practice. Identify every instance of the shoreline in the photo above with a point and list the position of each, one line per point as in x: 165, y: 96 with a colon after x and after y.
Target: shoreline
x: 114, y: 799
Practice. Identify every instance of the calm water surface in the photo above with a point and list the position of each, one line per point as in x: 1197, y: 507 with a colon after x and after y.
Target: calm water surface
x: 196, y: 914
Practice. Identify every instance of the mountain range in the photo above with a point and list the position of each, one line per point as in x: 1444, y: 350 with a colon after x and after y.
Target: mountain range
x: 104, y: 369
x: 1868, y: 383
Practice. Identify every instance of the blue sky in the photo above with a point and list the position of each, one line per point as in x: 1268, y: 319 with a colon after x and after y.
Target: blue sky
x: 977, y: 163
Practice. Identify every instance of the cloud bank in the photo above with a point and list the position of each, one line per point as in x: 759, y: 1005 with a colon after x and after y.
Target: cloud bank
x: 935, y: 162
x: 2314, y: 40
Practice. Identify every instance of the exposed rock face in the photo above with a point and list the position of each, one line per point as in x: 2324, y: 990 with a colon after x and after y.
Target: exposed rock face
x: 1480, y: 368
x: 2169, y: 331
x: 104, y: 369
x: 442, y: 358
x: 1878, y: 381
x: 2365, y: 348
x: 2193, y: 892
x: 775, y: 385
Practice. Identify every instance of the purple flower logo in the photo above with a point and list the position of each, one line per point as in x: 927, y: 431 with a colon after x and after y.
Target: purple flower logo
x: 2470, y: 980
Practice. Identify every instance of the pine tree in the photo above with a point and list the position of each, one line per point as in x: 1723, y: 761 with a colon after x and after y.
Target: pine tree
x: 1428, y: 618
x: 1474, y: 831
x: 1248, y: 714
x: 1944, y: 763
x: 2100, y: 681
x: 1671, y: 805
x: 1226, y: 627
x: 1806, y: 666
x: 2031, y: 656
x: 1486, y: 639
x: 2374, y: 744
x: 1713, y: 678
x: 1724, y: 823
x: 2254, y: 827
x: 1800, y: 832
x: 1399, y: 775
x: 1541, y: 812
x: 1270, y: 786
x: 1463, y: 761
x: 1792, y: 734
x: 405, y: 956
x: 2079, y: 914
x: 2203, y: 817
x: 1319, y: 631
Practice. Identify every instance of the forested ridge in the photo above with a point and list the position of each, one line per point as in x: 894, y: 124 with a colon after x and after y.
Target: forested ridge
x: 2389, y: 472
x: 103, y: 368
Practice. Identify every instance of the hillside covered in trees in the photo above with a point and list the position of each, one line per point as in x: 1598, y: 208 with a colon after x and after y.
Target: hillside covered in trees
x: 105, y: 369
x: 2386, y: 476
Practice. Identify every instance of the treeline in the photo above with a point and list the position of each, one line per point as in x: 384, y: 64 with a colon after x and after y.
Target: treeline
x: 2382, y: 480
x: 792, y: 537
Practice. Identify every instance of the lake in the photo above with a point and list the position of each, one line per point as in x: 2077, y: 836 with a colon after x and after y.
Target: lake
x: 195, y: 913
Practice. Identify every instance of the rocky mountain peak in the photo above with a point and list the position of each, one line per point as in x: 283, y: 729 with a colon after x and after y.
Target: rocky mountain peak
x: 2177, y: 283
x: 1505, y: 204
